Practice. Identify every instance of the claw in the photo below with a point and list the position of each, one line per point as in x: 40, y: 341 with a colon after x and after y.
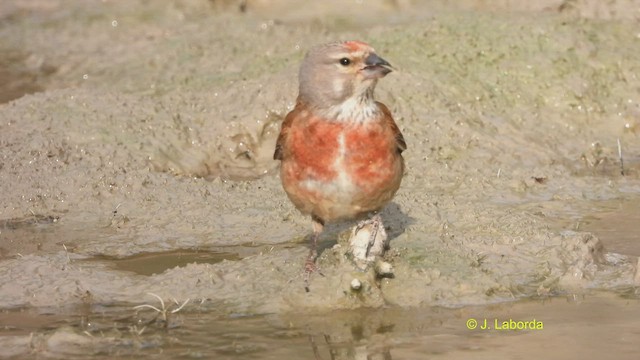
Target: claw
x: 310, y: 267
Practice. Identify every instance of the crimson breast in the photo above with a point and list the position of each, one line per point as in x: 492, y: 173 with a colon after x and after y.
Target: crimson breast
x: 324, y: 151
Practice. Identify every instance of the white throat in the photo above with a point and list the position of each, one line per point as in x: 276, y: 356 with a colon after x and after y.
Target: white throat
x: 356, y: 109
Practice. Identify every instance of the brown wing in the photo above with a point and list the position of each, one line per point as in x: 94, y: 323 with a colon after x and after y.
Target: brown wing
x: 400, y: 143
x: 284, y: 131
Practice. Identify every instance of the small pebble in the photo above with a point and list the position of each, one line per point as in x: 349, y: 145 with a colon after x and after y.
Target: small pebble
x: 356, y: 284
x: 384, y: 269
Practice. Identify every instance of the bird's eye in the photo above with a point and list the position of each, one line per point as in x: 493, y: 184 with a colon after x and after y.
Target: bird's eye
x: 345, y: 62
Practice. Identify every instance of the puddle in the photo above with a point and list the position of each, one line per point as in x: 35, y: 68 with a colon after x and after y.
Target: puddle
x: 19, y: 77
x: 25, y: 321
x: 156, y: 263
x: 20, y: 223
x: 29, y: 235
x: 617, y: 224
x: 591, y: 326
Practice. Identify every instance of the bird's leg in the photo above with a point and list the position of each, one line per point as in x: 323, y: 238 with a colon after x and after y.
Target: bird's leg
x: 375, y: 222
x: 310, y: 264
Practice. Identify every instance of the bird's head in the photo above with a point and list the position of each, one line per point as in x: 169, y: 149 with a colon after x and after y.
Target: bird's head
x: 340, y: 72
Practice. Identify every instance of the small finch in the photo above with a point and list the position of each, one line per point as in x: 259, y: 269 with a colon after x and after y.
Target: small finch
x: 340, y: 150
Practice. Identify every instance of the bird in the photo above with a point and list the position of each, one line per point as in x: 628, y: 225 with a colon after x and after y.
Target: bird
x: 340, y: 150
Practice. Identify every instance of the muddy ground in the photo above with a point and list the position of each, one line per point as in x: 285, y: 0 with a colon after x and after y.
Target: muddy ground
x: 135, y: 157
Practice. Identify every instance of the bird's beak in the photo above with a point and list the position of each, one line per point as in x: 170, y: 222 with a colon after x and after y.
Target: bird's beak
x: 376, y: 67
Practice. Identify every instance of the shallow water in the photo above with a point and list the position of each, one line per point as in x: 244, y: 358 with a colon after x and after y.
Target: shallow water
x: 616, y: 222
x: 156, y: 263
x: 593, y: 325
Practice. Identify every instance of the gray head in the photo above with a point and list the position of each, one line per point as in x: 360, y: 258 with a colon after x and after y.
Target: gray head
x: 334, y: 73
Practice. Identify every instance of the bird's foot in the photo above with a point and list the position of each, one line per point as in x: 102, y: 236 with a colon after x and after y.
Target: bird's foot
x: 310, y: 267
